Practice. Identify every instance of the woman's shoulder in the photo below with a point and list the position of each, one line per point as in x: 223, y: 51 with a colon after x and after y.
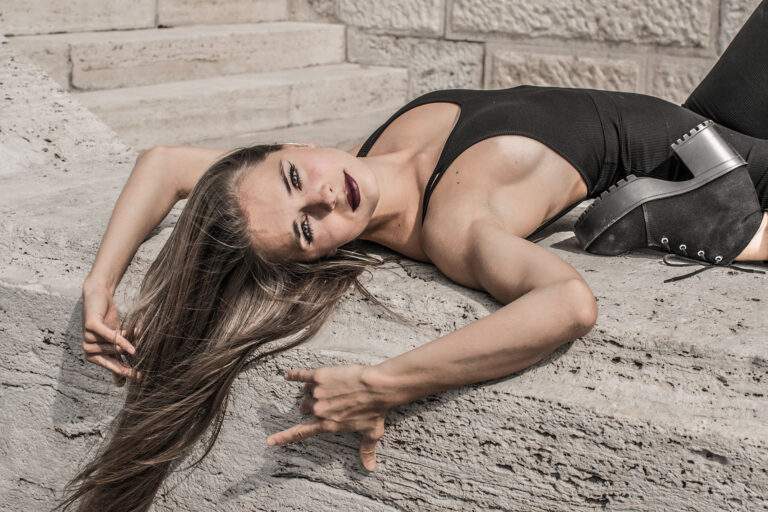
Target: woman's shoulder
x: 447, y: 244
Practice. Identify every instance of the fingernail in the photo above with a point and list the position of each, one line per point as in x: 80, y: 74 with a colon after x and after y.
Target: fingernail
x: 270, y: 442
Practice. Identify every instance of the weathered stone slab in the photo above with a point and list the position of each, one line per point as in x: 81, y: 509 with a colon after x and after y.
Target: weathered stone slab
x: 44, y: 17
x: 661, y: 22
x: 733, y: 14
x: 103, y: 60
x: 676, y: 80
x: 179, y: 112
x: 511, y: 67
x: 432, y: 64
x: 412, y: 17
x: 171, y: 13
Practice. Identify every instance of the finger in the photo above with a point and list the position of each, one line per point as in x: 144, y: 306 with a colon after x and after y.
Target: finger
x: 113, y: 336
x: 301, y: 375
x: 113, y: 365
x: 100, y: 348
x: 368, y: 452
x: 119, y: 380
x: 306, y: 405
x: 309, y: 387
x: 297, y: 433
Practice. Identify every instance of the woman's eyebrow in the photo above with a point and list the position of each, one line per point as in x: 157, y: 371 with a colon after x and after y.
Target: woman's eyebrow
x: 296, y: 235
x: 282, y: 176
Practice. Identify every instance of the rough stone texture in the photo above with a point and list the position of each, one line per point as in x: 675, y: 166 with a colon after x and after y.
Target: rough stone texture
x: 675, y: 81
x: 663, y: 406
x: 180, y: 112
x: 414, y: 17
x: 44, y: 16
x: 102, y: 60
x: 432, y: 64
x: 51, y: 54
x: 323, y: 7
x: 512, y: 67
x: 733, y: 14
x: 205, y: 12
x: 662, y: 22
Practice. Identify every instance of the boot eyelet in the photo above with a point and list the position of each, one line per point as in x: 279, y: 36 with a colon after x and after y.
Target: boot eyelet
x: 700, y: 254
x: 718, y: 259
x: 664, y: 240
x: 683, y: 247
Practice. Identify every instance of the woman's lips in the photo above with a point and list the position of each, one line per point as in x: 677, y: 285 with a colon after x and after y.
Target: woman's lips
x: 353, y: 192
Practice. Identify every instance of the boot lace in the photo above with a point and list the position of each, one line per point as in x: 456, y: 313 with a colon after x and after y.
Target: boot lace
x: 682, y: 261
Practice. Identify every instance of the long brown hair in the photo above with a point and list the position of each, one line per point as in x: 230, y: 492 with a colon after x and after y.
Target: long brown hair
x: 206, y: 304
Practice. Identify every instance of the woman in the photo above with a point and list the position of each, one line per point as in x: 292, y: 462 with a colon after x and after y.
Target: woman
x: 265, y: 248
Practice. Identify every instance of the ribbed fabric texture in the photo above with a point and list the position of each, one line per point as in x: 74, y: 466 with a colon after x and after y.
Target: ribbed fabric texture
x: 563, y: 119
x: 639, y: 132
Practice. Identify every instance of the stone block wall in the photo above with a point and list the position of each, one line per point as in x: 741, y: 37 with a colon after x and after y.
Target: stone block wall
x: 30, y: 17
x: 659, y: 47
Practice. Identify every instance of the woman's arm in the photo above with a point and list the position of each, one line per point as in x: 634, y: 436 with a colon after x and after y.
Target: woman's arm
x: 548, y: 304
x: 160, y: 177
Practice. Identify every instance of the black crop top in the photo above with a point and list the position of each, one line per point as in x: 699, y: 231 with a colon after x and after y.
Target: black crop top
x: 565, y: 120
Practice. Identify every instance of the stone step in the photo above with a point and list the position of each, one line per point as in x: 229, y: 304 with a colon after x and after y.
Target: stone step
x: 130, y: 58
x: 173, y: 13
x: 342, y: 134
x: 45, y: 17
x: 178, y: 113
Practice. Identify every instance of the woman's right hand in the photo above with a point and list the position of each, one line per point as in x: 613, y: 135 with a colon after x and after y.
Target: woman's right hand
x: 102, y: 343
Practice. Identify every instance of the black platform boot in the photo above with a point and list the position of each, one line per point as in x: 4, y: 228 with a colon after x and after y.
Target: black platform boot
x: 710, y: 218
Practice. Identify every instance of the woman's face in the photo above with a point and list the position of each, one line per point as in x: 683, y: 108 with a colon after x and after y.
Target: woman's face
x: 303, y: 203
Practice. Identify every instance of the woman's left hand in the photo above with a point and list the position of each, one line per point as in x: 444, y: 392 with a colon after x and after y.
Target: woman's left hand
x: 343, y: 399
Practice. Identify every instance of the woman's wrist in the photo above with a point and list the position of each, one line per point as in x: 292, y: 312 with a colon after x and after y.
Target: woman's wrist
x: 377, y: 380
x: 95, y: 281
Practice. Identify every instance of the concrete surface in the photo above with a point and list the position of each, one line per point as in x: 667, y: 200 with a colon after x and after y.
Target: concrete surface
x: 661, y: 407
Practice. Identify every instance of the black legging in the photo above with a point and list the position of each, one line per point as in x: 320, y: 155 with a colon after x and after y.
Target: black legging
x: 640, y: 129
x: 735, y: 93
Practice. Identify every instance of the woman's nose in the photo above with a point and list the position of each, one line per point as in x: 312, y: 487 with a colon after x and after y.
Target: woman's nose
x: 325, y: 198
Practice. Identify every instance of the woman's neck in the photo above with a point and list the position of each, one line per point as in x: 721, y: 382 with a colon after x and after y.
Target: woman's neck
x: 394, y: 219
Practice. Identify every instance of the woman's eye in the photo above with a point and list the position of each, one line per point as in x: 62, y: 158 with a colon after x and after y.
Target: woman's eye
x: 295, y: 180
x: 307, y: 230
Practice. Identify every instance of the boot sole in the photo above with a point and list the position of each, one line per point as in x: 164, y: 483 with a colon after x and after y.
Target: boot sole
x: 628, y: 194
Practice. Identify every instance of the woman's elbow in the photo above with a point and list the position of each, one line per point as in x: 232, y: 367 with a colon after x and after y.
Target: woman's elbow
x: 582, y: 305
